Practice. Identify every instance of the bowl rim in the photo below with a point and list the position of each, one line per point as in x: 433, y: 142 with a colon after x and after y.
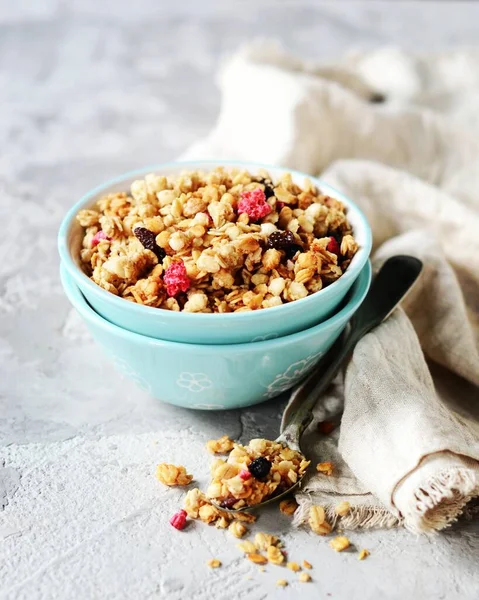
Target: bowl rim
x: 355, y: 297
x: 352, y: 272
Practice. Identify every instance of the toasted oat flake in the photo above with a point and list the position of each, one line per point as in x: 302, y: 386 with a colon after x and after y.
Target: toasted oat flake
x: 259, y: 559
x: 172, y: 475
x: 288, y: 507
x: 340, y: 543
x: 282, y: 583
x: 262, y: 541
x: 247, y: 547
x: 342, y: 509
x: 307, y: 565
x: 237, y: 529
x: 325, y: 468
x: 223, y: 445
x: 235, y: 233
x: 274, y: 555
x: 304, y: 577
x: 363, y: 554
x: 293, y: 566
x: 214, y: 563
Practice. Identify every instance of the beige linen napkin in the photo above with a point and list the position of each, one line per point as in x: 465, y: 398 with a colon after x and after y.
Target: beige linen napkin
x: 407, y: 449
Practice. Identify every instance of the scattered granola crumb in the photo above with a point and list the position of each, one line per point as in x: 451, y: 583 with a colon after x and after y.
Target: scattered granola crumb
x: 326, y: 468
x: 214, y: 563
x: 304, y: 577
x: 178, y: 520
x: 293, y: 566
x: 275, y: 555
x: 317, y: 520
x: 363, y: 554
x: 223, y: 445
x: 262, y: 570
x: 259, y: 559
x: 247, y: 547
x: 307, y: 565
x: 288, y: 507
x: 262, y: 541
x: 172, y: 475
x: 237, y: 529
x: 282, y: 582
x: 340, y: 543
x: 342, y: 509
x: 326, y: 427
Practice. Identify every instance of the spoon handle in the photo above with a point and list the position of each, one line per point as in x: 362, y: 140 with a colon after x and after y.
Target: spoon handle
x: 389, y: 287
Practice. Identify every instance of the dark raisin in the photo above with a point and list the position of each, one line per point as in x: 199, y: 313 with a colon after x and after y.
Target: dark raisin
x: 148, y: 241
x: 229, y: 502
x: 268, y: 187
x: 280, y: 240
x: 259, y: 467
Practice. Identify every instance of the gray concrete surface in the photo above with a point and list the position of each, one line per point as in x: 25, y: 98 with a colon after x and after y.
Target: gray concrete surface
x: 89, y: 89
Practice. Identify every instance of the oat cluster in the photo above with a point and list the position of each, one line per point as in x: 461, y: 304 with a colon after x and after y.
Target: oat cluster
x: 254, y: 473
x: 216, y: 242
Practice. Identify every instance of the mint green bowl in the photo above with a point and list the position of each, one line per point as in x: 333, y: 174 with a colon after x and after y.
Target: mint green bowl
x: 230, y: 328
x: 214, y: 377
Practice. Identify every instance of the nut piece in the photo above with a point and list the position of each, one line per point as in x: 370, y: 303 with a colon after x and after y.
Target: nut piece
x: 237, y: 529
x: 222, y: 445
x: 307, y: 565
x: 342, y: 509
x: 325, y: 468
x: 288, y: 507
x: 259, y: 559
x: 339, y: 543
x: 363, y: 554
x: 275, y: 555
x: 214, y: 563
x: 317, y: 520
x: 247, y: 547
x: 304, y: 577
x: 293, y: 566
x: 282, y: 582
x: 172, y: 475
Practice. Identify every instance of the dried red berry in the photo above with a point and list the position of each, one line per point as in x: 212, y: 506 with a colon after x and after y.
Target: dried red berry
x: 244, y: 474
x: 333, y: 246
x: 148, y: 241
x: 96, y: 239
x: 254, y: 204
x: 176, y: 278
x: 178, y: 520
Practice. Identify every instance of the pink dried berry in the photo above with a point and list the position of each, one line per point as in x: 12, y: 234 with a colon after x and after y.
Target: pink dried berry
x: 244, y: 474
x: 254, y: 204
x: 176, y: 278
x: 333, y: 245
x: 178, y: 520
x: 96, y: 239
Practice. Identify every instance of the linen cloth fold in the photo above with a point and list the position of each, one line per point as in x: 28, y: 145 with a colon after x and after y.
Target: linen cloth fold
x: 407, y: 449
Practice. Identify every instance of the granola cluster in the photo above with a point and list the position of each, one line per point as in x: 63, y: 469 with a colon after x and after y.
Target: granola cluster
x: 216, y: 242
x: 254, y: 473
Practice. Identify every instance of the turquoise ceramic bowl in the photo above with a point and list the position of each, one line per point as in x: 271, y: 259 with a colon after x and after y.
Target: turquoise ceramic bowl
x: 212, y: 376
x: 198, y: 328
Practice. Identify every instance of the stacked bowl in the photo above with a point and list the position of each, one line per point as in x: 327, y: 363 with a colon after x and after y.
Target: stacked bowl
x: 214, y: 360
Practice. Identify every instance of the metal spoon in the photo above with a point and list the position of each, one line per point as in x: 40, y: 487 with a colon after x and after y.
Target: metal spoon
x: 389, y: 287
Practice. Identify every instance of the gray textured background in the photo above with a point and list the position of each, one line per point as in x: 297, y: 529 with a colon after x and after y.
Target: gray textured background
x: 89, y: 89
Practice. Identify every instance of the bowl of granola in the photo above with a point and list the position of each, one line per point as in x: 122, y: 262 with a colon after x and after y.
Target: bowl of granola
x: 213, y: 376
x: 196, y: 253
